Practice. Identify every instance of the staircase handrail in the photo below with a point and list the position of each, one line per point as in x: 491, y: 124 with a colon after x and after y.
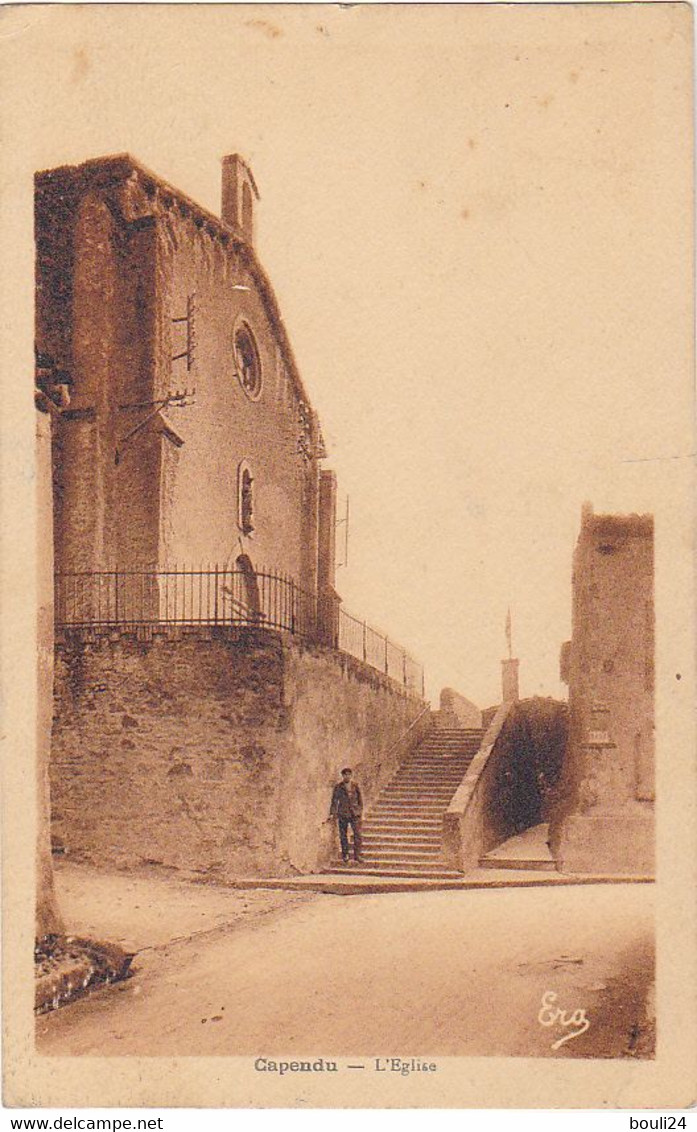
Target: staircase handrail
x: 406, y: 732
x: 461, y: 820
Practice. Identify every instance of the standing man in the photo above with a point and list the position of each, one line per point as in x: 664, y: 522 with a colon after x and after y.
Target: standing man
x: 347, y: 806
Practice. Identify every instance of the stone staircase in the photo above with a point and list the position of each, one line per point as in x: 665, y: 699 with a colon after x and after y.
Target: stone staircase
x: 402, y: 831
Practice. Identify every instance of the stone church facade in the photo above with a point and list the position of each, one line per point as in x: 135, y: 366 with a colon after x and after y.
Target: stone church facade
x: 208, y: 685
x: 180, y: 374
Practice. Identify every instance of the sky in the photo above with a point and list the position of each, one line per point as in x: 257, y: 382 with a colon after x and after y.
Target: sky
x: 476, y: 223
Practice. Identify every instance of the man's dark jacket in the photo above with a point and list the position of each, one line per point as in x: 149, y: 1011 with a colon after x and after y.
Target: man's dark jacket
x: 346, y: 801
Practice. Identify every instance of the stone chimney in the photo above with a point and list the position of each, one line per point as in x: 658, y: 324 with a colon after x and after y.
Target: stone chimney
x: 238, y: 196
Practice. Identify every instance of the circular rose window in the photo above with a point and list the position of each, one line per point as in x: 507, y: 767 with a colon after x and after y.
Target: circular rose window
x: 247, y: 361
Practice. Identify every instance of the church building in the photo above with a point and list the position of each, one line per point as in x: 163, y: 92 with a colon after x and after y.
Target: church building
x: 208, y: 685
x: 189, y: 441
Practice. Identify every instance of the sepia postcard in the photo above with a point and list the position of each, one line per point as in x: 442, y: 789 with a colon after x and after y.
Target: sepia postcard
x: 348, y: 529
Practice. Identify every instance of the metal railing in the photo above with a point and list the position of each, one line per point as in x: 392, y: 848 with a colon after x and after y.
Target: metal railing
x: 220, y: 596
x: 216, y: 596
x: 359, y: 639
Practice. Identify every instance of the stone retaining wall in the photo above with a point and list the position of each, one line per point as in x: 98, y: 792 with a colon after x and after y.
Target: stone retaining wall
x: 213, y: 750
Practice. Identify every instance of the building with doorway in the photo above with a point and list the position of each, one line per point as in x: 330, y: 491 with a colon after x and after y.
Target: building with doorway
x: 208, y: 683
x: 605, y: 822
x: 190, y: 440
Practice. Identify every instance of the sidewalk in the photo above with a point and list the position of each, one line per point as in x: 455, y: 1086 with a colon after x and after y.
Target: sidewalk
x: 149, y: 911
x: 358, y: 883
x: 146, y: 911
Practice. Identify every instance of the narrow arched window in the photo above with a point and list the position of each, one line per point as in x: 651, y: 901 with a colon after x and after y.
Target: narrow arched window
x: 245, y: 498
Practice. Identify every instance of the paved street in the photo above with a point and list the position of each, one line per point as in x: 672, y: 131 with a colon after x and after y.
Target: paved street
x: 436, y: 973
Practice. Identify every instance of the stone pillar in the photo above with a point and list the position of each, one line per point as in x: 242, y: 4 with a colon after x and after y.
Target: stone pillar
x: 509, y: 681
x: 87, y: 434
x: 328, y: 601
x: 238, y: 196
x: 48, y: 919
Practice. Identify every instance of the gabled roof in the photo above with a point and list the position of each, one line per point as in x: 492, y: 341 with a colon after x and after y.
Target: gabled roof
x: 109, y: 170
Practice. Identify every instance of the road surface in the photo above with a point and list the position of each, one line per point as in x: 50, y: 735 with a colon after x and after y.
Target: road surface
x: 407, y: 975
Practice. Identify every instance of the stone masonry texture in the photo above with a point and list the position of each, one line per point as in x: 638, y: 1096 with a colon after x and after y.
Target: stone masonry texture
x: 214, y: 752
x: 605, y: 820
x: 122, y: 258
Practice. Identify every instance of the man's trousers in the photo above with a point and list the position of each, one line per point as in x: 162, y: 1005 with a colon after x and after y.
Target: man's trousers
x: 355, y: 824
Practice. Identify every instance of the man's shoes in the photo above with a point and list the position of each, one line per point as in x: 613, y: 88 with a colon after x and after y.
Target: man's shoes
x: 360, y: 861
x: 345, y: 860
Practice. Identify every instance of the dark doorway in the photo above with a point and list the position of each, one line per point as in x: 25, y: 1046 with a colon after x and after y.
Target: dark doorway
x: 246, y: 591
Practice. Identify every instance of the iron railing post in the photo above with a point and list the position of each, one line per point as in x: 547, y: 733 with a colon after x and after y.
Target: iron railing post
x: 113, y: 597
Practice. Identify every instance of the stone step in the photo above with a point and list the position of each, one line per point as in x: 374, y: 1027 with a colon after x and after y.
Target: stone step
x: 416, y: 868
x: 429, y: 747
x: 447, y: 745
x: 436, y: 754
x: 405, y: 856
x: 436, y: 774
x: 449, y: 741
x: 408, y: 784
x: 453, y: 733
x: 394, y: 840
x: 423, y: 778
x: 437, y: 769
x: 396, y: 831
x: 430, y: 797
x: 441, y: 754
x: 409, y: 867
x: 395, y: 827
x: 439, y: 757
x: 385, y: 857
x: 533, y: 865
x: 438, y: 766
x: 416, y: 795
x: 438, y: 868
x: 433, y: 782
x: 399, y: 837
x: 405, y: 874
x: 449, y: 732
x: 413, y: 801
x: 443, y: 740
x: 411, y: 810
x: 442, y: 770
x: 413, y: 797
